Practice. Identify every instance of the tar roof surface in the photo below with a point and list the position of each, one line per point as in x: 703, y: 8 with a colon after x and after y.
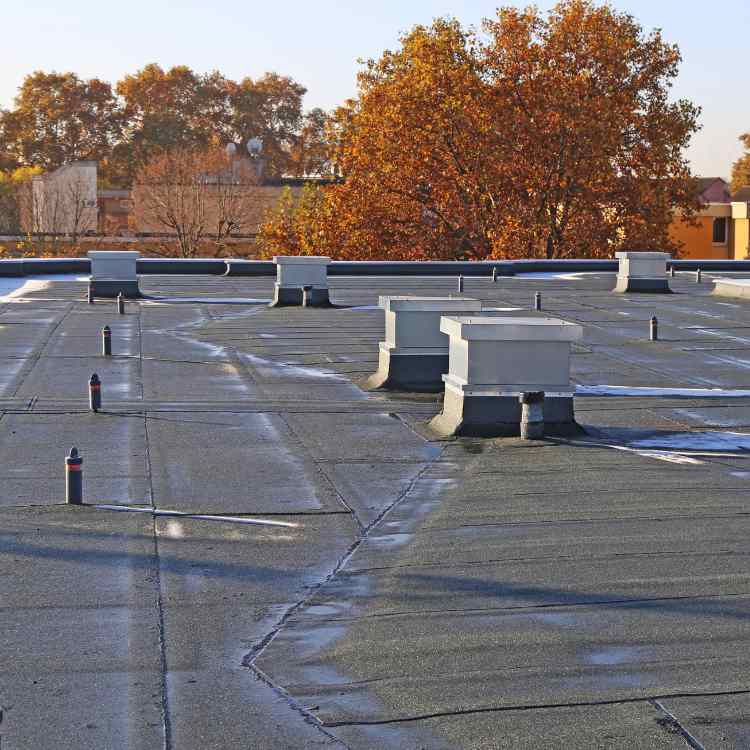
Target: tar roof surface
x: 580, y: 593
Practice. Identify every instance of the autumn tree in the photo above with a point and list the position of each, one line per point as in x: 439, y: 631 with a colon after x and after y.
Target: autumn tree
x: 16, y: 199
x: 290, y: 228
x: 59, y: 118
x: 179, y: 108
x: 10, y: 215
x: 269, y: 108
x: 544, y: 136
x: 164, y: 110
x: 8, y: 160
x: 311, y: 150
x: 741, y: 168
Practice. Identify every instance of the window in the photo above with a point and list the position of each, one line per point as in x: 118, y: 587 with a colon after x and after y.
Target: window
x: 720, y: 232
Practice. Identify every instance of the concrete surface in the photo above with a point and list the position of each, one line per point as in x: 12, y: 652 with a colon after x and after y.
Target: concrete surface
x: 582, y: 592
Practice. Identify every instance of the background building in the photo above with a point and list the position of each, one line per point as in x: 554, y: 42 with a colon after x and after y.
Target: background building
x: 63, y: 202
x: 721, y: 231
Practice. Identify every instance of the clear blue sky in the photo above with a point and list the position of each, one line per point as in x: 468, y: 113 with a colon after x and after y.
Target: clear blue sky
x: 318, y: 43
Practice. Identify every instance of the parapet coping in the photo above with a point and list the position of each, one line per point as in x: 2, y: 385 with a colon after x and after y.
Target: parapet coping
x: 115, y: 254
x: 301, y: 260
x: 643, y: 255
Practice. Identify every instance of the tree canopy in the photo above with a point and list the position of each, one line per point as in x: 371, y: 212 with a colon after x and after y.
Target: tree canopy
x: 538, y: 136
x: 58, y: 118
x: 741, y: 168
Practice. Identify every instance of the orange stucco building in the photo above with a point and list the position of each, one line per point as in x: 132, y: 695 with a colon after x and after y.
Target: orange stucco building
x: 723, y: 228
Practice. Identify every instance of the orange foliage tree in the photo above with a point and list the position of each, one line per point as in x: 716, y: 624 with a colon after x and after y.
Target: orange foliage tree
x: 741, y: 168
x: 543, y: 136
x: 58, y: 118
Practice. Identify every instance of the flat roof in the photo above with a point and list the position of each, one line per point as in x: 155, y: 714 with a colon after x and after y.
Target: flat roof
x: 272, y: 557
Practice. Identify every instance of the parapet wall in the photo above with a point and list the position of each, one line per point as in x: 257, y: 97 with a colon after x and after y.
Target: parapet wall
x: 222, y: 266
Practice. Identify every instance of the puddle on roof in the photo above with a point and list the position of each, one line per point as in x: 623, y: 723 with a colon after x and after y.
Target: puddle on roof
x: 322, y: 675
x: 618, y: 655
x: 311, y: 639
x: 271, y: 368
x: 558, y: 619
x: 703, y: 418
x: 432, y: 451
x: 390, y: 541
x: 330, y: 609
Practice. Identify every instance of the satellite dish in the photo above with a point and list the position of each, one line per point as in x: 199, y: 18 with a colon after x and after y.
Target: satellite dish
x: 254, y: 146
x: 231, y: 149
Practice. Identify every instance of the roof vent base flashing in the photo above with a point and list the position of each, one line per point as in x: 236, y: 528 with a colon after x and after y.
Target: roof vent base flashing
x: 500, y: 416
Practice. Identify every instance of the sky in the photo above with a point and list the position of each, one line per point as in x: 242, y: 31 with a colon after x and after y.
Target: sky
x: 318, y: 45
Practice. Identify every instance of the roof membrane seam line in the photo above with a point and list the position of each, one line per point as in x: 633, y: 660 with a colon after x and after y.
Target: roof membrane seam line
x: 161, y: 626
x: 534, y: 707
x: 601, y: 491
x: 164, y: 685
x: 515, y: 610
x: 676, y: 725
x: 631, y: 339
x: 319, y: 468
x: 293, y: 703
x: 215, y: 362
x: 36, y: 354
x: 554, y: 558
x: 576, y: 521
x: 610, y: 355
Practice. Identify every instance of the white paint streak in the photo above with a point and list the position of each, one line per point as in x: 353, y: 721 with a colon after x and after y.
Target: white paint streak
x: 710, y: 440
x: 625, y: 390
x: 196, y: 516
x: 208, y: 301
x: 562, y: 276
x: 667, y: 456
